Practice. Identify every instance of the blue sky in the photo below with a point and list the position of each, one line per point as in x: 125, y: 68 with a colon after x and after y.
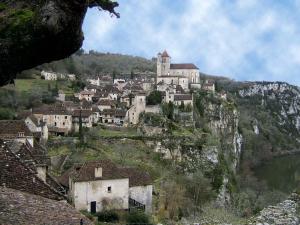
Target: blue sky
x: 241, y: 39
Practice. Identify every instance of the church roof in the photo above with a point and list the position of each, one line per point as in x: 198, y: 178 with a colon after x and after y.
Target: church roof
x: 183, y: 66
x: 165, y: 54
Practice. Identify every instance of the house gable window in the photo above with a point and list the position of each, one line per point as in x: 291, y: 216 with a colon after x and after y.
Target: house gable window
x: 109, y: 189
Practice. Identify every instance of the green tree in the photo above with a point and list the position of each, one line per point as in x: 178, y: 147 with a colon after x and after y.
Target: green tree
x: 154, y: 98
x: 132, y: 75
x: 80, y: 129
x: 168, y: 110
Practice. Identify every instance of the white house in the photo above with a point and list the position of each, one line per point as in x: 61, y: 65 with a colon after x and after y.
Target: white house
x: 101, y: 185
x: 87, y: 95
x: 49, y: 75
x: 94, y: 81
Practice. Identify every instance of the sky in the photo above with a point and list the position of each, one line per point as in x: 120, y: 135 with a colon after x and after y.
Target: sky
x: 241, y: 39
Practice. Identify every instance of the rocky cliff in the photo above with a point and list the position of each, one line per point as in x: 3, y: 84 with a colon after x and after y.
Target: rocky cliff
x: 40, y: 31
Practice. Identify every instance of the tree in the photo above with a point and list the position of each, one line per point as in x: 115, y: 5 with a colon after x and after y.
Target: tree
x: 168, y: 110
x: 131, y: 96
x: 154, y: 98
x: 80, y: 129
x: 114, y: 74
x: 132, y: 75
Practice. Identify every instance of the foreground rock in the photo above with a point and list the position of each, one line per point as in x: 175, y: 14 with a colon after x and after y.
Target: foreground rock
x: 284, y: 213
x: 40, y: 31
x: 18, y: 207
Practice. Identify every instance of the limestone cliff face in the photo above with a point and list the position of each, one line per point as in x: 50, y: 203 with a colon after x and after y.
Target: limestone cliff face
x: 283, y: 98
x: 40, y: 31
x: 271, y: 114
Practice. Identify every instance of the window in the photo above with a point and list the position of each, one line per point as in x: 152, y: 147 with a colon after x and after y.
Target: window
x: 55, y: 124
x: 109, y: 189
x: 63, y: 123
x: 66, y: 117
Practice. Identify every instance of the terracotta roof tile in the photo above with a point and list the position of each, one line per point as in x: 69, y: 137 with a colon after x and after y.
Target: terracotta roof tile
x: 183, y: 66
x: 183, y: 97
x: 15, y: 174
x: 12, y: 128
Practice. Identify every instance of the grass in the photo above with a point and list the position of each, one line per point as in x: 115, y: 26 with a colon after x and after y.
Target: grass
x: 129, y: 132
x: 62, y: 150
x: 28, y: 85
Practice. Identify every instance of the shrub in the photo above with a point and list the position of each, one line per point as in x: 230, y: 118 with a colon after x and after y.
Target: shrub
x: 87, y: 214
x: 107, y: 216
x: 137, y: 218
x: 154, y: 98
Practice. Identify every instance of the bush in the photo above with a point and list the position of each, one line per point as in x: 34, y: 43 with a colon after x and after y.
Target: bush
x: 137, y: 218
x: 107, y: 216
x: 87, y: 214
x: 154, y: 98
x: 6, y: 114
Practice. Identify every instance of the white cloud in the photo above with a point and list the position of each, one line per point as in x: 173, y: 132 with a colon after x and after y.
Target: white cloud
x: 244, y: 39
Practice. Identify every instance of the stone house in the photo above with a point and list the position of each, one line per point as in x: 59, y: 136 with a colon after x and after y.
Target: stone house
x: 15, y: 130
x: 180, y: 74
x: 49, y: 75
x: 61, y: 96
x: 86, y: 118
x: 138, y: 107
x: 183, y: 99
x: 87, y: 95
x: 57, y: 118
x: 101, y: 185
x: 95, y: 82
x: 116, y: 116
x: 120, y: 116
x: 209, y: 85
x: 105, y: 104
x: 71, y: 77
x: 223, y: 95
x: 37, y: 127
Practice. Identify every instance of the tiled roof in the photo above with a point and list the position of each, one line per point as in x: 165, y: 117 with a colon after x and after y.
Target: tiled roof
x: 84, y: 113
x: 86, y: 172
x: 136, y: 177
x: 12, y: 128
x: 183, y: 66
x: 106, y: 102
x: 183, y: 97
x: 51, y: 110
x: 15, y: 174
x: 18, y: 207
x: 165, y: 54
x: 120, y: 113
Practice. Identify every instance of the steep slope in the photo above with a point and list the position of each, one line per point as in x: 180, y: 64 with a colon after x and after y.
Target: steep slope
x: 269, y: 117
x: 94, y: 63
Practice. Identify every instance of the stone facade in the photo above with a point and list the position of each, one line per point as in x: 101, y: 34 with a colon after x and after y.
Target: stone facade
x: 138, y: 107
x: 179, y: 74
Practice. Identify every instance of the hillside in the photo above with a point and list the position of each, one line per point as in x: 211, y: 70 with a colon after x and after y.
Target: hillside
x: 93, y: 64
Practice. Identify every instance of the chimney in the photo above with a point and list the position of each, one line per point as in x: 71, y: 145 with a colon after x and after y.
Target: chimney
x: 98, y: 172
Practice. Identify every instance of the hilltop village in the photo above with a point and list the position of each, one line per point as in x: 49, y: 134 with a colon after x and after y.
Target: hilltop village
x: 106, y: 101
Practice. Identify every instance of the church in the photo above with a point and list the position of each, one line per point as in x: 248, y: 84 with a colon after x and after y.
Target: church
x: 186, y: 75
